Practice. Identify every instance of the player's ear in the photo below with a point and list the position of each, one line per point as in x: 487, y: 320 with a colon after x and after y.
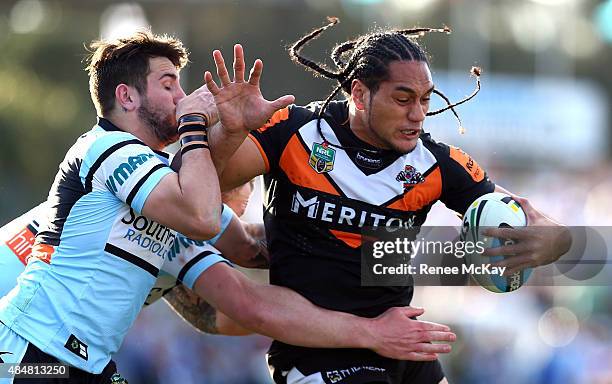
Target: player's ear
x: 127, y: 98
x: 359, y: 94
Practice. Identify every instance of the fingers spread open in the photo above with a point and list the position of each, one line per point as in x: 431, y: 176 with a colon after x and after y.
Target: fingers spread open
x: 255, y: 74
x: 210, y: 83
x: 239, y: 65
x: 221, y: 69
x: 282, y: 102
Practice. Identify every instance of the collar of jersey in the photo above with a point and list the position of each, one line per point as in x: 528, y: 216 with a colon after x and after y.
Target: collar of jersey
x: 106, y: 125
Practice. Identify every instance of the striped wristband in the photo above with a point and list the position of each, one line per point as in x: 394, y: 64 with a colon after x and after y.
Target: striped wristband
x: 193, y: 122
x: 193, y: 138
x: 195, y: 145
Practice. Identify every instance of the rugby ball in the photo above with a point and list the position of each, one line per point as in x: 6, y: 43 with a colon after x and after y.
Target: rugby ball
x: 492, y: 210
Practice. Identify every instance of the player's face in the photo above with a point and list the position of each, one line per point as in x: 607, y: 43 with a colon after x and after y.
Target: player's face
x: 158, y: 106
x: 396, y: 111
x: 238, y: 199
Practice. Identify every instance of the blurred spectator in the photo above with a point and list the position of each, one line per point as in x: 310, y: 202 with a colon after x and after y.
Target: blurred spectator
x: 238, y: 198
x: 41, y: 106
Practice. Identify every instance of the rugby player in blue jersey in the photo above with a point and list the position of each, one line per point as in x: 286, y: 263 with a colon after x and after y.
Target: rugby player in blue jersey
x: 112, y: 216
x: 242, y: 243
x: 333, y: 167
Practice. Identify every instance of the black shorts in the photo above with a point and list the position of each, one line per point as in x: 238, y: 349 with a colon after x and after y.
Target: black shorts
x: 357, y: 367
x: 34, y: 355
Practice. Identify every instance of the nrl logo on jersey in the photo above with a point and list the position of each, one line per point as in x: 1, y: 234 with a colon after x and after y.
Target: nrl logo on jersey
x: 410, y: 177
x: 322, y: 158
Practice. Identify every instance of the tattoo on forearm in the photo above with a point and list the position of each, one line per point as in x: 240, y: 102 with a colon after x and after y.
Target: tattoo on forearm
x: 193, y: 309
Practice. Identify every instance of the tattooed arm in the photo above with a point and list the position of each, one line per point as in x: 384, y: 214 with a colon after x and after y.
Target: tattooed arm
x: 201, y: 315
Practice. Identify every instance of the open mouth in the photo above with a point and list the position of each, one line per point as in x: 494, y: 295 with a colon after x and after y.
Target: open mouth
x: 411, y: 132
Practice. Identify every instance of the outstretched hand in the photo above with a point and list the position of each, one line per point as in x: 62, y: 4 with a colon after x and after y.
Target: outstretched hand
x: 400, y: 337
x: 240, y: 103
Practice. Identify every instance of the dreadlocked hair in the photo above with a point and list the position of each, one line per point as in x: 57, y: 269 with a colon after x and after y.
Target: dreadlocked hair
x: 367, y: 58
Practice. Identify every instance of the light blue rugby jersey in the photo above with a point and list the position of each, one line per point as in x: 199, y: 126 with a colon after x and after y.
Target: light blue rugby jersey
x: 17, y: 239
x: 106, y: 256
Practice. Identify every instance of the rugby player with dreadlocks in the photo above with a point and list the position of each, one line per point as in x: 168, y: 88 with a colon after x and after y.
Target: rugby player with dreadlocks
x: 332, y: 168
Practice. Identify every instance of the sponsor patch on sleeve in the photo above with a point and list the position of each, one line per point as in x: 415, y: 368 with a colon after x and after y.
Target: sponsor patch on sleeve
x: 21, y: 243
x: 467, y: 163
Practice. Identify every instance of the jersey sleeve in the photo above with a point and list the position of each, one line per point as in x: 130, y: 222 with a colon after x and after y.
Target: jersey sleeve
x: 182, y: 252
x: 272, y: 138
x: 188, y: 259
x: 226, y: 217
x: 123, y: 166
x: 463, y: 181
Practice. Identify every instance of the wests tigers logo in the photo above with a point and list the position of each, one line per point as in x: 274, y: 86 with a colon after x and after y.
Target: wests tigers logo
x: 410, y: 177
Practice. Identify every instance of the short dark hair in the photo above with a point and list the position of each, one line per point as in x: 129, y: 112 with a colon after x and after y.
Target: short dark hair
x: 126, y: 61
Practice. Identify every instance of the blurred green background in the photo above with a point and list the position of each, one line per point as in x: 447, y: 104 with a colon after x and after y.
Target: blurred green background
x: 541, y: 127
x: 44, y: 101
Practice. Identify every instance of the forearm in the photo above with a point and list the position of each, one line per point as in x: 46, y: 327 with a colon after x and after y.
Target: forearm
x: 191, y: 201
x: 561, y: 240
x: 201, y: 315
x: 229, y: 327
x: 223, y: 145
x: 199, y: 186
x: 284, y: 315
x: 193, y: 309
x: 188, y: 201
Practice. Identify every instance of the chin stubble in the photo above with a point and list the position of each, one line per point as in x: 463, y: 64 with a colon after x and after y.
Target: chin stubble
x: 161, y: 125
